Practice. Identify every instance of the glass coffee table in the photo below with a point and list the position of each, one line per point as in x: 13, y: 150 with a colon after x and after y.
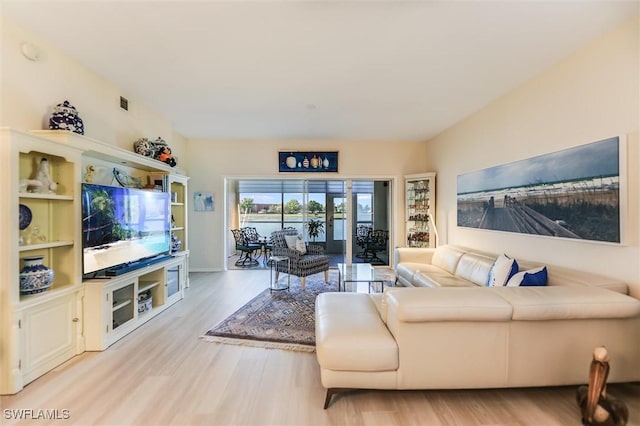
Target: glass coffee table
x: 358, y: 273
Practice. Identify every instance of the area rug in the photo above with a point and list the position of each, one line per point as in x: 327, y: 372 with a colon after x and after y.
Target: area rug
x: 280, y: 319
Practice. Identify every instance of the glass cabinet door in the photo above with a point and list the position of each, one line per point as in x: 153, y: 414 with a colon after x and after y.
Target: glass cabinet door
x: 174, y: 280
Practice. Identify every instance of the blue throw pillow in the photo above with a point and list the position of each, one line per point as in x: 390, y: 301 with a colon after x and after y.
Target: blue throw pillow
x: 532, y: 278
x: 502, y: 270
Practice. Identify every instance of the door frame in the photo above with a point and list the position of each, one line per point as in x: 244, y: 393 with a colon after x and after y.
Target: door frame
x: 395, y: 197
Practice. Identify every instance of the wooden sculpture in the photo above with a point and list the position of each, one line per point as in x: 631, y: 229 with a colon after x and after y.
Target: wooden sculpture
x: 596, y: 407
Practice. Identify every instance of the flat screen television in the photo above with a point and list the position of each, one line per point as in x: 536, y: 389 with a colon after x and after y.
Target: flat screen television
x: 123, y: 227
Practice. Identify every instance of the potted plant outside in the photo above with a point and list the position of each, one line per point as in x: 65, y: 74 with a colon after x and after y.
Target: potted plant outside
x: 315, y: 228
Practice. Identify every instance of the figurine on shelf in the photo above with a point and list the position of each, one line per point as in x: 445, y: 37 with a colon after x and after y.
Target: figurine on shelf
x: 166, y: 157
x: 28, y: 184
x: 157, y: 149
x: 143, y: 146
x: 90, y: 174
x: 44, y: 177
x: 35, y: 235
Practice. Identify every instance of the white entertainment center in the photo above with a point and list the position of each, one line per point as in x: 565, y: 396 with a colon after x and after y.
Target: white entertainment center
x: 42, y: 330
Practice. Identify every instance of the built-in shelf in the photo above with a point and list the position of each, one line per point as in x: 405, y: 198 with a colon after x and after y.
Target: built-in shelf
x: 41, y: 331
x: 121, y: 304
x: 39, y: 196
x: 41, y: 246
x: 108, y: 152
x: 419, y: 203
x: 146, y: 285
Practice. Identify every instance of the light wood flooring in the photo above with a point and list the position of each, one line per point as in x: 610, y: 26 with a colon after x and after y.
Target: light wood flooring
x: 163, y: 374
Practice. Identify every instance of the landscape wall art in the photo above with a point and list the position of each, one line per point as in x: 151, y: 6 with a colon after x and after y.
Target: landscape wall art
x: 573, y: 193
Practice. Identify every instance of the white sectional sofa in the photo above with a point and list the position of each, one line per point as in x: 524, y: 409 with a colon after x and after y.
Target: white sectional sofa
x: 451, y: 266
x: 454, y: 332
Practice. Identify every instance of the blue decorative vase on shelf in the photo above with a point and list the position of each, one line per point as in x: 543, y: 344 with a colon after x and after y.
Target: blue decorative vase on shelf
x: 175, y: 243
x: 34, y: 276
x: 65, y: 117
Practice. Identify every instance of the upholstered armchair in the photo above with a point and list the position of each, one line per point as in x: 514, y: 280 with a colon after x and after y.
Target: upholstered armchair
x: 302, y: 265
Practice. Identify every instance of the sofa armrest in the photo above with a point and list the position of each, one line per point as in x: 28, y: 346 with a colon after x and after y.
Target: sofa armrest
x: 414, y: 254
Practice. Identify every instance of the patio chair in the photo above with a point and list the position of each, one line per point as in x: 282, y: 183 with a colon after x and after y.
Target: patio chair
x: 246, y: 249
x: 377, y: 243
x: 301, y: 265
x: 264, y: 244
x: 362, y: 238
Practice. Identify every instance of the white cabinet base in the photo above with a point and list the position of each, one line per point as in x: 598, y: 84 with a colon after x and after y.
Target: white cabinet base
x: 115, y: 306
x: 48, y: 332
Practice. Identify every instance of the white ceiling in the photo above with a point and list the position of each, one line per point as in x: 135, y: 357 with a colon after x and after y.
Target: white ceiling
x: 346, y: 70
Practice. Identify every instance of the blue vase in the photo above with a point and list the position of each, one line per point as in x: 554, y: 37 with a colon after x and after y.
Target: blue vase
x: 175, y: 243
x: 34, y: 276
x: 65, y: 117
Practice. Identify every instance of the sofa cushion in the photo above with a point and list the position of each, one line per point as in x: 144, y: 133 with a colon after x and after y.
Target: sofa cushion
x: 448, y: 304
x: 532, y: 278
x: 558, y: 303
x: 351, y: 336
x: 407, y: 270
x: 475, y: 268
x: 436, y: 277
x: 447, y: 257
x: 503, y: 269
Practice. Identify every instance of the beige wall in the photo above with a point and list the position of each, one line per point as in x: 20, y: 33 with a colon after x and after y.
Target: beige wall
x: 211, y: 161
x: 591, y: 95
x: 30, y: 90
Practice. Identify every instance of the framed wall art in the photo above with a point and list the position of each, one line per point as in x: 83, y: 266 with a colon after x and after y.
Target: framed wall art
x: 573, y: 193
x: 203, y: 201
x: 308, y: 161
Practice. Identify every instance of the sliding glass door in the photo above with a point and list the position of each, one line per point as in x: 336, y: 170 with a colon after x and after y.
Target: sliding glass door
x: 341, y: 206
x: 370, y: 221
x: 336, y: 223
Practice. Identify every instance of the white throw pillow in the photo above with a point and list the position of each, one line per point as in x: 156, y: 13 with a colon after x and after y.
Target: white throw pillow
x: 301, y: 246
x: 291, y: 241
x: 502, y: 270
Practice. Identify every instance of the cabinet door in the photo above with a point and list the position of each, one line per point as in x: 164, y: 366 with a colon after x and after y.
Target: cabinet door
x: 174, y: 283
x: 121, y: 304
x: 49, y: 335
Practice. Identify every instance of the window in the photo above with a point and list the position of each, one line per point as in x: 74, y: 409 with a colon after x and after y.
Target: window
x: 272, y: 205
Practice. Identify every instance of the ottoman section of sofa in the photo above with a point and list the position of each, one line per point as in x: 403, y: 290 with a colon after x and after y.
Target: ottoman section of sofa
x: 351, y: 335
